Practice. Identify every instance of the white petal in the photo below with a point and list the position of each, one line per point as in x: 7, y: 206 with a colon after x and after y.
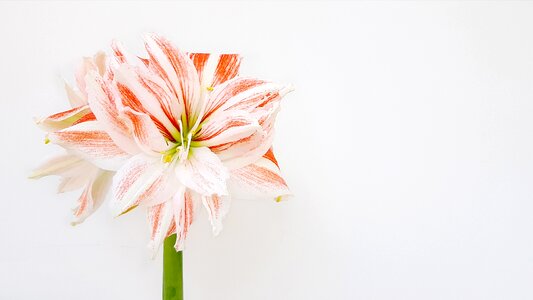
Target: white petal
x: 93, y: 196
x: 259, y: 180
x: 203, y: 172
x: 143, y: 180
x: 217, y: 207
x: 63, y: 119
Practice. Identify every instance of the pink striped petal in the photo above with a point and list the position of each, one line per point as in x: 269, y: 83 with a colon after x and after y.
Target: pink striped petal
x: 215, y: 69
x: 143, y: 180
x: 248, y: 150
x: 184, y: 215
x: 217, y: 207
x: 178, y: 71
x: 226, y: 127
x: 246, y: 94
x: 145, y: 132
x: 88, y: 140
x: 92, y: 196
x: 203, y: 172
x: 147, y: 93
x: 63, y: 119
x: 103, y: 103
x: 173, y: 216
x: 261, y: 179
x: 162, y: 224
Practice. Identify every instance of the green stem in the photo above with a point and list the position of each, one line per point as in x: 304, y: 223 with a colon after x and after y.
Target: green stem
x: 172, y: 270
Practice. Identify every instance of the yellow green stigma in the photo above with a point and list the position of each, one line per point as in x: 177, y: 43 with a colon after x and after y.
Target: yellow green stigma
x: 210, y: 88
x: 278, y: 199
x: 46, y: 140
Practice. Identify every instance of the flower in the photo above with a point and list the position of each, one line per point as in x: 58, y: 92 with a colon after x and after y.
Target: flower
x: 180, y: 129
x: 76, y: 172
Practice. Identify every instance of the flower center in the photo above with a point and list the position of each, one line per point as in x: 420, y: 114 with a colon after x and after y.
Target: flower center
x: 178, y: 151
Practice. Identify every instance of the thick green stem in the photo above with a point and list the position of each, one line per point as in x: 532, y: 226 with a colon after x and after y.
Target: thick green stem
x: 172, y: 271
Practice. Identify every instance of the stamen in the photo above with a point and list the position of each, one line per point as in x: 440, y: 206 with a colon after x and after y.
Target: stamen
x: 167, y: 157
x: 46, y: 140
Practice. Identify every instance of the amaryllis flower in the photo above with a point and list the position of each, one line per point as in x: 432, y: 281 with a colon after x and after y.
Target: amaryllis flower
x: 185, y: 129
x: 77, y: 172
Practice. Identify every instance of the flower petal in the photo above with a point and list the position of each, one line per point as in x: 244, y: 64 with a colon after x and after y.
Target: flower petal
x: 258, y: 180
x: 177, y: 69
x: 145, y: 132
x: 93, y: 196
x: 246, y: 94
x: 143, y: 180
x: 147, y: 93
x: 248, y: 150
x: 63, y: 119
x: 103, y: 103
x: 62, y: 165
x: 75, y: 97
x: 162, y: 224
x: 203, y: 172
x: 215, y: 69
x: 183, y: 216
x: 226, y: 127
x: 96, y: 63
x: 88, y: 140
x: 217, y: 207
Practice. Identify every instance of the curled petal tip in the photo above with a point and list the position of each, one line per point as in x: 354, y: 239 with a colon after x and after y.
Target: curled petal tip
x: 286, y: 89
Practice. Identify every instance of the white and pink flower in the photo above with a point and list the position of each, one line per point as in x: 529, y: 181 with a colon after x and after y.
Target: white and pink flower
x: 179, y: 130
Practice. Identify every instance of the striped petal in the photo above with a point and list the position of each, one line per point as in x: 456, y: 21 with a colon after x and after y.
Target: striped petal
x: 215, y: 69
x: 227, y: 127
x: 183, y: 217
x: 203, y: 172
x: 103, y: 103
x: 217, y: 207
x: 162, y: 224
x: 248, y: 150
x: 145, y: 132
x: 143, y: 180
x: 93, y: 196
x: 173, y: 216
x: 147, y: 93
x: 88, y: 140
x: 178, y: 71
x: 261, y: 179
x: 246, y: 94
x: 63, y: 119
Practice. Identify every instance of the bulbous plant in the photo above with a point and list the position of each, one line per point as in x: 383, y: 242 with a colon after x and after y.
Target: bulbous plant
x: 170, y: 131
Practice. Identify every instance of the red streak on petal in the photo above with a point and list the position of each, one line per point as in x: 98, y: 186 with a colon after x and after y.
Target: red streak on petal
x: 270, y: 156
x: 227, y: 68
x: 88, y: 117
x: 199, y: 60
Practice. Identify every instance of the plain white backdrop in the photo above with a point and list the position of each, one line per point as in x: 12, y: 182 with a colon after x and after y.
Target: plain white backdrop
x: 408, y: 144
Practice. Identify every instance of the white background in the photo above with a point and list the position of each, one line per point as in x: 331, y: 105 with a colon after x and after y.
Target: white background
x: 407, y: 144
